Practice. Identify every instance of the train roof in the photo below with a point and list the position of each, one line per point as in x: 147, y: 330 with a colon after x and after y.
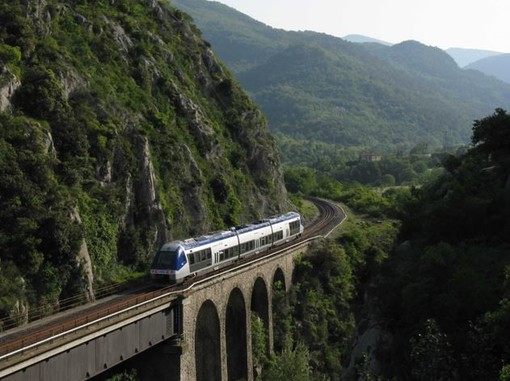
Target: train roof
x: 193, y: 243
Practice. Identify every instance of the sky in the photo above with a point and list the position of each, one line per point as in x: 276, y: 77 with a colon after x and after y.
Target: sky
x: 471, y: 24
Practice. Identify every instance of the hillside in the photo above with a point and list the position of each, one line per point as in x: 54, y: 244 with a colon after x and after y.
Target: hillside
x: 119, y: 130
x: 497, y: 66
x: 444, y: 293
x: 322, y: 88
x: 464, y: 57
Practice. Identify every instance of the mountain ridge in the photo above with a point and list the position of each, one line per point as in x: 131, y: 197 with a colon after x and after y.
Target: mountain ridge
x: 497, y: 66
x: 400, y: 99
x: 464, y: 56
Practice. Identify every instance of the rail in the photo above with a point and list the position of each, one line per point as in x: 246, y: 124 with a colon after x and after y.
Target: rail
x: 328, y: 220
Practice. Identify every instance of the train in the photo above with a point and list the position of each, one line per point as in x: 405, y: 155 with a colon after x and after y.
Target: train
x: 178, y: 260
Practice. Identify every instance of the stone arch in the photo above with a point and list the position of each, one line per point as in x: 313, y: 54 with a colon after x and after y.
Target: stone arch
x: 279, y: 301
x: 279, y: 276
x: 260, y: 305
x: 236, y: 337
x: 207, y: 343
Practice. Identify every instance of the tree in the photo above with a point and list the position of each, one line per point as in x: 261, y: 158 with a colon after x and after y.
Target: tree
x: 491, y: 136
x: 290, y: 365
x: 258, y: 345
x: 431, y: 355
x: 300, y: 179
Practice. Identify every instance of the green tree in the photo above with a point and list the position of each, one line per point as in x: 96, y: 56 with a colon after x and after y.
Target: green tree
x: 259, y: 347
x: 388, y: 180
x: 300, y: 179
x: 325, y: 289
x: 491, y: 137
x: 432, y: 355
x: 290, y: 365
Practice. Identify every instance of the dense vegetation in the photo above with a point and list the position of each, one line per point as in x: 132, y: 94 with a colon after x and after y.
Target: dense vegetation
x: 413, y: 168
x: 444, y: 294
x: 319, y: 88
x: 440, y: 299
x: 119, y: 129
x: 123, y: 130
x: 314, y: 324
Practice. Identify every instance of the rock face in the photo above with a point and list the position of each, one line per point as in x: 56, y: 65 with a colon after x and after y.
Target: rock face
x: 8, y: 85
x: 138, y: 127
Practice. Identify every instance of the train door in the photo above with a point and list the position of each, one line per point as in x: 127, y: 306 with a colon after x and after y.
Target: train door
x: 218, y: 253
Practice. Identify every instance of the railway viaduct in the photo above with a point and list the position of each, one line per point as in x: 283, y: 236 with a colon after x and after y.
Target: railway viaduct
x: 217, y: 327
x: 202, y: 332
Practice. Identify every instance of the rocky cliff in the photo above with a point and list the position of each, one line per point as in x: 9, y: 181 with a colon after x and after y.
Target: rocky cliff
x: 119, y: 129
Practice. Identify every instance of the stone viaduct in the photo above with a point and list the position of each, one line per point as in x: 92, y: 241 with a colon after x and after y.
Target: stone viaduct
x: 202, y: 333
x: 217, y: 318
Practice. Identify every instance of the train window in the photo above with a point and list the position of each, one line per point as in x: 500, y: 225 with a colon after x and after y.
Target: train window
x: 203, y: 255
x: 191, y: 258
x: 294, y: 227
x: 277, y: 236
x: 208, y: 253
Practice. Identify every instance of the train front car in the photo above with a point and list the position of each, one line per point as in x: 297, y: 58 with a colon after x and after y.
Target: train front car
x: 286, y: 227
x: 170, y: 263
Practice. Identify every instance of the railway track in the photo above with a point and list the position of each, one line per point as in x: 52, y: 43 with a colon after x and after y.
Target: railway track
x: 16, y: 340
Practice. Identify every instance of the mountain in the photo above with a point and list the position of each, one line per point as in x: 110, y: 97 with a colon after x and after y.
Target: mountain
x: 464, y: 57
x: 497, y: 66
x: 119, y: 130
x: 315, y: 87
x: 358, y: 38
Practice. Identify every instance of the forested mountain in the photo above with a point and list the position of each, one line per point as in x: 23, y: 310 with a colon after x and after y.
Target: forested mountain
x: 119, y: 129
x: 445, y: 293
x: 321, y: 88
x: 497, y: 66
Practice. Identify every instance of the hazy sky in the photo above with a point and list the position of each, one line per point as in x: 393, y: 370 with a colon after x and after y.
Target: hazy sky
x: 443, y: 23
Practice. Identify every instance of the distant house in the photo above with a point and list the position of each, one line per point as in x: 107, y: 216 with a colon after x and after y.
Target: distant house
x: 369, y: 156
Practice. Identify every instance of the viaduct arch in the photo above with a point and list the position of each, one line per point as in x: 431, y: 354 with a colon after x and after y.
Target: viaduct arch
x: 217, y: 319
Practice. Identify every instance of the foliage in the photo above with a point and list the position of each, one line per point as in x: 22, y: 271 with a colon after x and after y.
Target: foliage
x: 322, y: 90
x: 345, y: 165
x: 363, y: 199
x: 125, y: 132
x: 325, y: 288
x: 290, y: 365
x: 125, y: 376
x: 448, y: 280
x: 36, y: 232
x: 431, y: 355
x: 259, y: 342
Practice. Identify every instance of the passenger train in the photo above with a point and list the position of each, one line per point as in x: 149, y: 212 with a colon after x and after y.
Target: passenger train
x: 179, y: 260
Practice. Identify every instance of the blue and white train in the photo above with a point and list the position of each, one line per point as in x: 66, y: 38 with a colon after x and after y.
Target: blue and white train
x: 178, y: 260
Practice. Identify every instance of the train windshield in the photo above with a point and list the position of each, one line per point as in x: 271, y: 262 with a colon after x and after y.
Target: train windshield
x: 167, y: 260
x: 171, y: 260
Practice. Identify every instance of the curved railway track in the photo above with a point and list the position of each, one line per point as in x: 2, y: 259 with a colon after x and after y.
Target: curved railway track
x: 52, y: 328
